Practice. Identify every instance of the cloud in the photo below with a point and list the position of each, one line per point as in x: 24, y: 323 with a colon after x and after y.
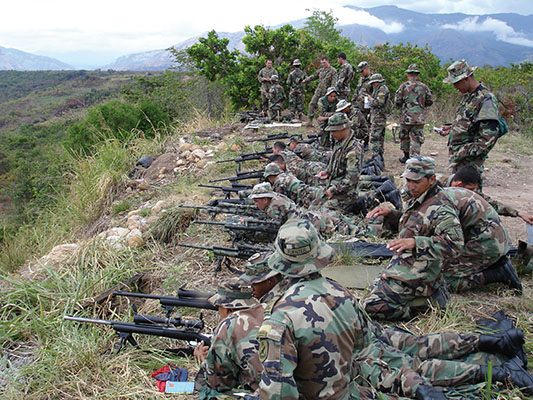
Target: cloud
x: 348, y: 16
x: 501, y: 30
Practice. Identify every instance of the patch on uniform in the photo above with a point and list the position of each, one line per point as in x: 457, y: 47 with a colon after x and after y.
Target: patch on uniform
x: 263, y: 350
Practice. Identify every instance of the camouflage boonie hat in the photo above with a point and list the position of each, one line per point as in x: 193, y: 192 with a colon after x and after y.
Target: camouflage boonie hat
x: 361, y: 66
x: 412, y: 69
x: 337, y: 122
x: 331, y: 90
x: 262, y: 190
x: 376, y: 78
x: 299, y: 249
x: 274, y: 78
x: 233, y: 293
x: 272, y: 169
x: 341, y: 105
x: 458, y: 71
x: 257, y: 269
x: 418, y: 167
x: 297, y: 62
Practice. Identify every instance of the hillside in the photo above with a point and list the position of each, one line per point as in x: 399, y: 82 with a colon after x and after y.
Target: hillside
x: 17, y: 60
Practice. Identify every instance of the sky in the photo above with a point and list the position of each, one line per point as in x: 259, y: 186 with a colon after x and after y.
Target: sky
x: 92, y: 34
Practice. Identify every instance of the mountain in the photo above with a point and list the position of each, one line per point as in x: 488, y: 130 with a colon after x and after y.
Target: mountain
x: 12, y: 59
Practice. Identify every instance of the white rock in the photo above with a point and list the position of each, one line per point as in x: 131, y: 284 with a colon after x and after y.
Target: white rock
x: 135, y: 212
x: 60, y: 254
x: 158, y: 207
x: 135, y: 238
x: 180, y: 162
x: 117, y: 231
x: 198, y: 154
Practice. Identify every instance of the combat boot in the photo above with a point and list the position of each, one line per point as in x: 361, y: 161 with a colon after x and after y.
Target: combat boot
x: 509, y: 343
x: 511, y: 371
x: 504, y: 272
x: 426, y: 392
x: 395, y: 198
x: 405, y: 157
x: 384, y: 188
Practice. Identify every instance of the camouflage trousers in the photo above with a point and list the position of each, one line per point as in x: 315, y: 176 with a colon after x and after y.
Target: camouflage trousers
x: 406, y: 287
x: 275, y: 113
x: 264, y: 101
x: 296, y: 102
x: 377, y: 136
x: 344, y: 93
x: 306, y: 171
x: 411, y: 139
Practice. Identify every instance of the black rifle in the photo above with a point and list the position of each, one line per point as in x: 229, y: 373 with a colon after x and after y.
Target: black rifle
x: 169, y: 302
x: 145, y: 326
x: 240, y: 177
x: 229, y: 208
x: 257, y: 153
x: 240, y: 160
x: 255, y: 225
x: 274, y: 136
x: 228, y: 190
x: 194, y: 294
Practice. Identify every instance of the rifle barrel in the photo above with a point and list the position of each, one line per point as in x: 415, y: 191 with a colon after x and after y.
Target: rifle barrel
x: 90, y: 320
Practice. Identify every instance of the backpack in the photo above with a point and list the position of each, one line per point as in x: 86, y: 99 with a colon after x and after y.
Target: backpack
x: 503, y: 128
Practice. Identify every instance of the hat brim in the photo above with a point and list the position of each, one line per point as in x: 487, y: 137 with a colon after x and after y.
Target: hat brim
x: 412, y: 176
x: 218, y: 300
x: 336, y: 127
x: 297, y: 269
x: 458, y: 78
x: 259, y: 277
x: 262, y: 195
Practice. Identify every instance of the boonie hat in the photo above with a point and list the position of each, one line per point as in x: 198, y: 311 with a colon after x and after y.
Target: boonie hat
x: 337, y: 122
x: 297, y: 62
x: 341, y: 105
x: 274, y: 78
x: 458, y: 71
x: 331, y: 90
x: 376, y: 78
x: 412, y: 69
x: 299, y: 249
x: 262, y: 190
x: 257, y: 269
x: 233, y: 293
x: 272, y: 169
x: 418, y: 167
x: 361, y: 66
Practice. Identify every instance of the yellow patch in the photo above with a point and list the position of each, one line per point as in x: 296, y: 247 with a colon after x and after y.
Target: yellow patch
x: 264, y: 331
x: 263, y: 350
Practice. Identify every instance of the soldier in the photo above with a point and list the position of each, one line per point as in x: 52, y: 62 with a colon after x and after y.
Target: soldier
x: 264, y: 79
x: 276, y: 99
x: 362, y: 90
x: 232, y: 360
x: 483, y: 258
x: 326, y: 76
x: 429, y: 231
x: 344, y: 77
x: 326, y: 108
x: 412, y: 97
x: 358, y: 121
x: 266, y: 283
x: 475, y: 129
x: 296, y: 89
x: 380, y: 107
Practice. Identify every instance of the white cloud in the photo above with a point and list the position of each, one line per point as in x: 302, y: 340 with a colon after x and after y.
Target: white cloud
x: 503, y: 32
x: 348, y: 16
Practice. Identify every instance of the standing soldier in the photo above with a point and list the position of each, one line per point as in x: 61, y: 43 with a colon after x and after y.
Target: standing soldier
x: 326, y: 108
x: 363, y: 89
x: 276, y: 98
x: 344, y: 77
x: 326, y: 76
x: 296, y: 90
x: 475, y: 130
x: 412, y: 97
x: 380, y: 107
x: 264, y: 77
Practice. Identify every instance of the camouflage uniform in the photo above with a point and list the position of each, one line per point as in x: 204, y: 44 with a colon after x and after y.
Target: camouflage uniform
x: 276, y: 100
x: 303, y: 170
x: 232, y: 360
x: 359, y: 124
x: 326, y: 77
x: 378, y: 114
x: 485, y: 240
x: 265, y: 85
x: 308, y: 152
x: 344, y: 78
x: 362, y: 89
x: 413, y: 277
x: 475, y: 129
x: 412, y: 97
x: 296, y: 90
x: 326, y: 109
x: 502, y: 209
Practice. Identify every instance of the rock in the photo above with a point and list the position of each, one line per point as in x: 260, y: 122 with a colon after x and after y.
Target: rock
x: 180, y: 163
x: 163, y: 171
x: 434, y: 153
x: 198, y: 154
x: 134, y: 238
x: 185, y: 147
x: 158, y: 207
x: 209, y: 153
x: 60, y: 254
x: 201, y: 164
x: 151, y: 220
x: 194, y: 147
x: 133, y: 222
x: 185, y: 155
x: 143, y: 186
x: 114, y: 242
x: 135, y: 212
x: 117, y: 231
x: 235, y: 147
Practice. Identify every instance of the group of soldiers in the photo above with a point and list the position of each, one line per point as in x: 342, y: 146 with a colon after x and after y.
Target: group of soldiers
x: 287, y: 332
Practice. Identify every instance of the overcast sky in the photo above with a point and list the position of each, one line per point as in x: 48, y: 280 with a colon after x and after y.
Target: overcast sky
x: 91, y: 34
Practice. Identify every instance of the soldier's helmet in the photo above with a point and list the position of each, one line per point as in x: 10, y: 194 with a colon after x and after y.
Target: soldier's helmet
x: 376, y: 78
x: 331, y: 89
x: 418, y: 167
x: 234, y: 293
x: 337, y: 122
x: 274, y: 78
x: 412, y: 69
x: 299, y: 249
x: 256, y: 269
x: 342, y: 105
x: 262, y: 190
x: 272, y: 169
x: 361, y: 66
x: 297, y: 62
x: 458, y: 71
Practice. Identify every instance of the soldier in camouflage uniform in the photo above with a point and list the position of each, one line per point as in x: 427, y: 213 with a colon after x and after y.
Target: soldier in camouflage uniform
x: 429, y: 231
x: 475, y: 129
x: 326, y: 76
x: 326, y: 108
x: 232, y: 360
x: 362, y: 91
x: 264, y: 76
x: 344, y: 77
x: 276, y: 99
x: 306, y: 171
x: 412, y: 98
x: 358, y: 121
x: 296, y: 89
x: 380, y: 104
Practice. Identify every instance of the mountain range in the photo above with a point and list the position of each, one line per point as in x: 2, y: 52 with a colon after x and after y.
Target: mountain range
x: 490, y: 39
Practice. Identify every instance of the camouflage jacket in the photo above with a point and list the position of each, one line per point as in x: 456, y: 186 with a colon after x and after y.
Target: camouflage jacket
x: 282, y: 208
x: 362, y: 89
x: 296, y: 190
x: 232, y: 360
x: 308, y: 339
x: 276, y: 97
x: 266, y: 73
x: 359, y: 123
x: 475, y: 129
x: 326, y: 77
x: 412, y: 98
x: 502, y: 209
x: 380, y: 102
x: 345, y: 165
x: 326, y: 109
x: 345, y: 77
x: 295, y: 81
